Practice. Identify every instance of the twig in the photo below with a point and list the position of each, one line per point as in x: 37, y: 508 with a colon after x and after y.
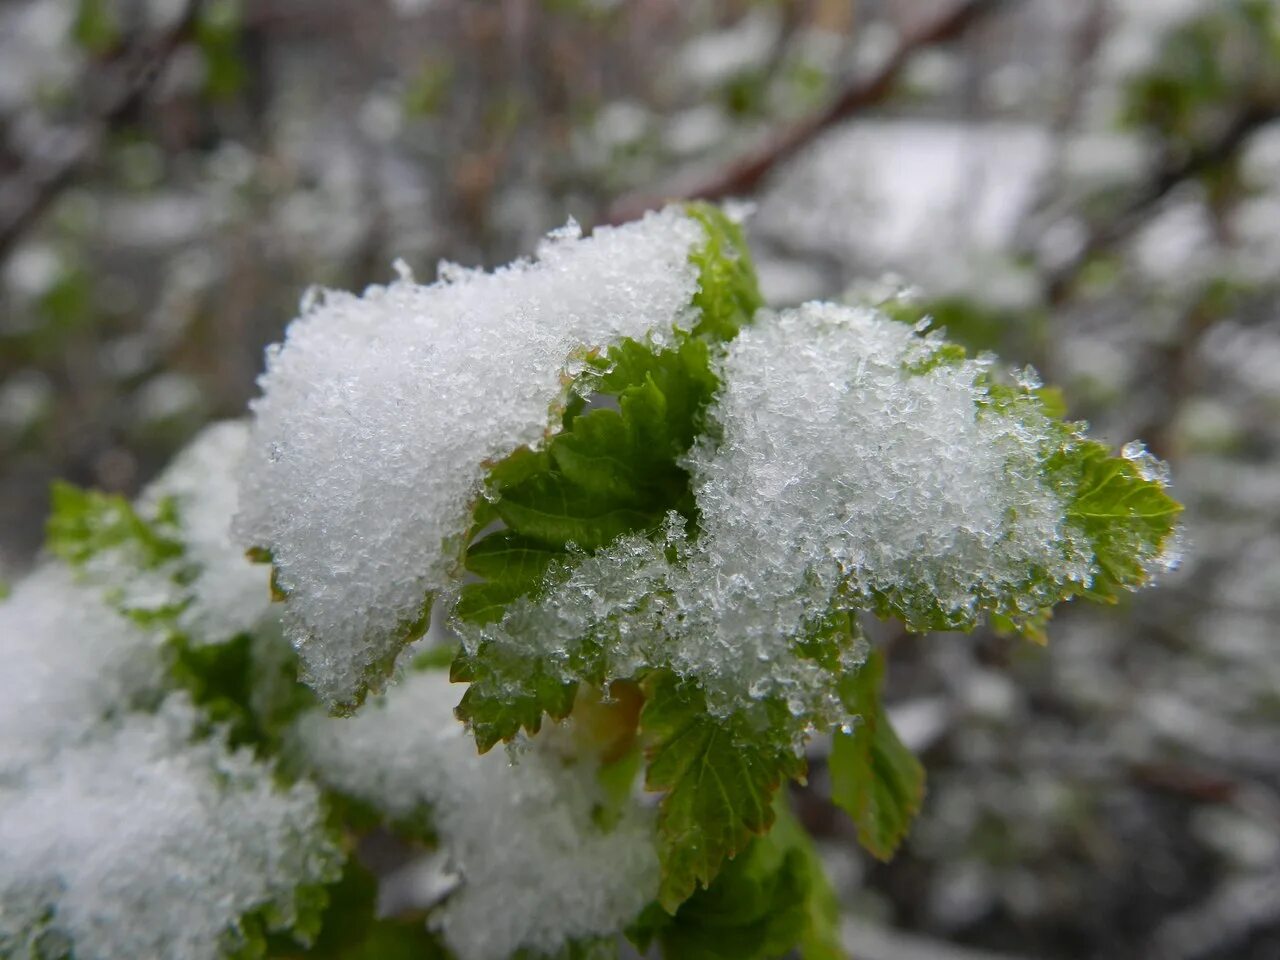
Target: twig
x: 1122, y: 226
x: 744, y: 176
x: 43, y: 178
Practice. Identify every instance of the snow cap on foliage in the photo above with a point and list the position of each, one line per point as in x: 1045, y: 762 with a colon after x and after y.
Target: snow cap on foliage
x: 535, y: 870
x: 379, y: 413
x: 855, y: 453
x: 852, y: 462
x: 142, y: 843
x: 69, y: 662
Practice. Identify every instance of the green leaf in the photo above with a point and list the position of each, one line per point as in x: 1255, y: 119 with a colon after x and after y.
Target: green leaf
x: 83, y: 524
x: 719, y: 775
x: 769, y: 900
x: 820, y: 938
x: 1127, y: 518
x: 496, y: 712
x: 249, y: 684
x: 96, y: 27
x: 728, y: 294
x: 874, y: 778
x: 349, y: 928
x: 608, y: 472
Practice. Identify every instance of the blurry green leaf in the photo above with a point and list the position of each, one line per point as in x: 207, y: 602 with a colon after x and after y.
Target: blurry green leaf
x: 874, y: 778
x: 218, y: 30
x: 95, y: 27
x: 83, y: 524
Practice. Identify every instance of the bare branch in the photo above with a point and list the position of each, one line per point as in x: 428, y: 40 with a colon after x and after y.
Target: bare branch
x: 1110, y: 234
x: 744, y: 176
x: 54, y: 167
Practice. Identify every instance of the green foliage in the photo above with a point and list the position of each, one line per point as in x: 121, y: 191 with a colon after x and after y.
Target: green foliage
x: 719, y: 775
x: 1227, y: 57
x: 770, y: 899
x: 606, y: 473
x: 218, y: 29
x: 338, y: 922
x: 874, y: 778
x: 85, y: 523
x: 249, y: 684
x: 1129, y: 520
x: 1126, y: 516
x: 95, y: 27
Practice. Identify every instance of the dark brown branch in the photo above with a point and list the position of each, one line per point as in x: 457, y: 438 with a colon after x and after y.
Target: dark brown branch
x: 1107, y: 236
x: 744, y: 176
x: 44, y: 177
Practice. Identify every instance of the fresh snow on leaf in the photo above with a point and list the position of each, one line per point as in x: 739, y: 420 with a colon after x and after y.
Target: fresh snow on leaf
x: 119, y: 835
x: 225, y: 594
x: 69, y: 663
x: 142, y: 842
x: 874, y: 778
x: 607, y: 474
x: 169, y: 559
x: 848, y: 463
x: 379, y: 414
x: 534, y: 868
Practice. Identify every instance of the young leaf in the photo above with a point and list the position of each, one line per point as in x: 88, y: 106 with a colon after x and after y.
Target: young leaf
x: 769, y: 900
x: 719, y: 777
x: 874, y: 778
x: 1127, y: 517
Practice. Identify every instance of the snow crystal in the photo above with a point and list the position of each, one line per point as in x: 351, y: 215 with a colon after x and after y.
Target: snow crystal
x: 1149, y: 466
x: 851, y: 456
x: 228, y: 595
x: 379, y: 413
x: 69, y: 661
x: 849, y: 467
x: 143, y: 844
x: 535, y: 870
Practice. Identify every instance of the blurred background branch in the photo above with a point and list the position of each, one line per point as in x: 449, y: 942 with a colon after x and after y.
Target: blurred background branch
x: 120, y: 85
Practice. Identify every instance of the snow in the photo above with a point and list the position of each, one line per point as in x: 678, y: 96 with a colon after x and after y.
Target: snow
x: 69, y: 662
x: 379, y: 413
x: 531, y: 867
x: 143, y: 843
x: 840, y: 476
x: 227, y: 594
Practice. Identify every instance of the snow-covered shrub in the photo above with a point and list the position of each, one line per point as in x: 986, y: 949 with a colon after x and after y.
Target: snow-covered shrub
x: 640, y: 506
